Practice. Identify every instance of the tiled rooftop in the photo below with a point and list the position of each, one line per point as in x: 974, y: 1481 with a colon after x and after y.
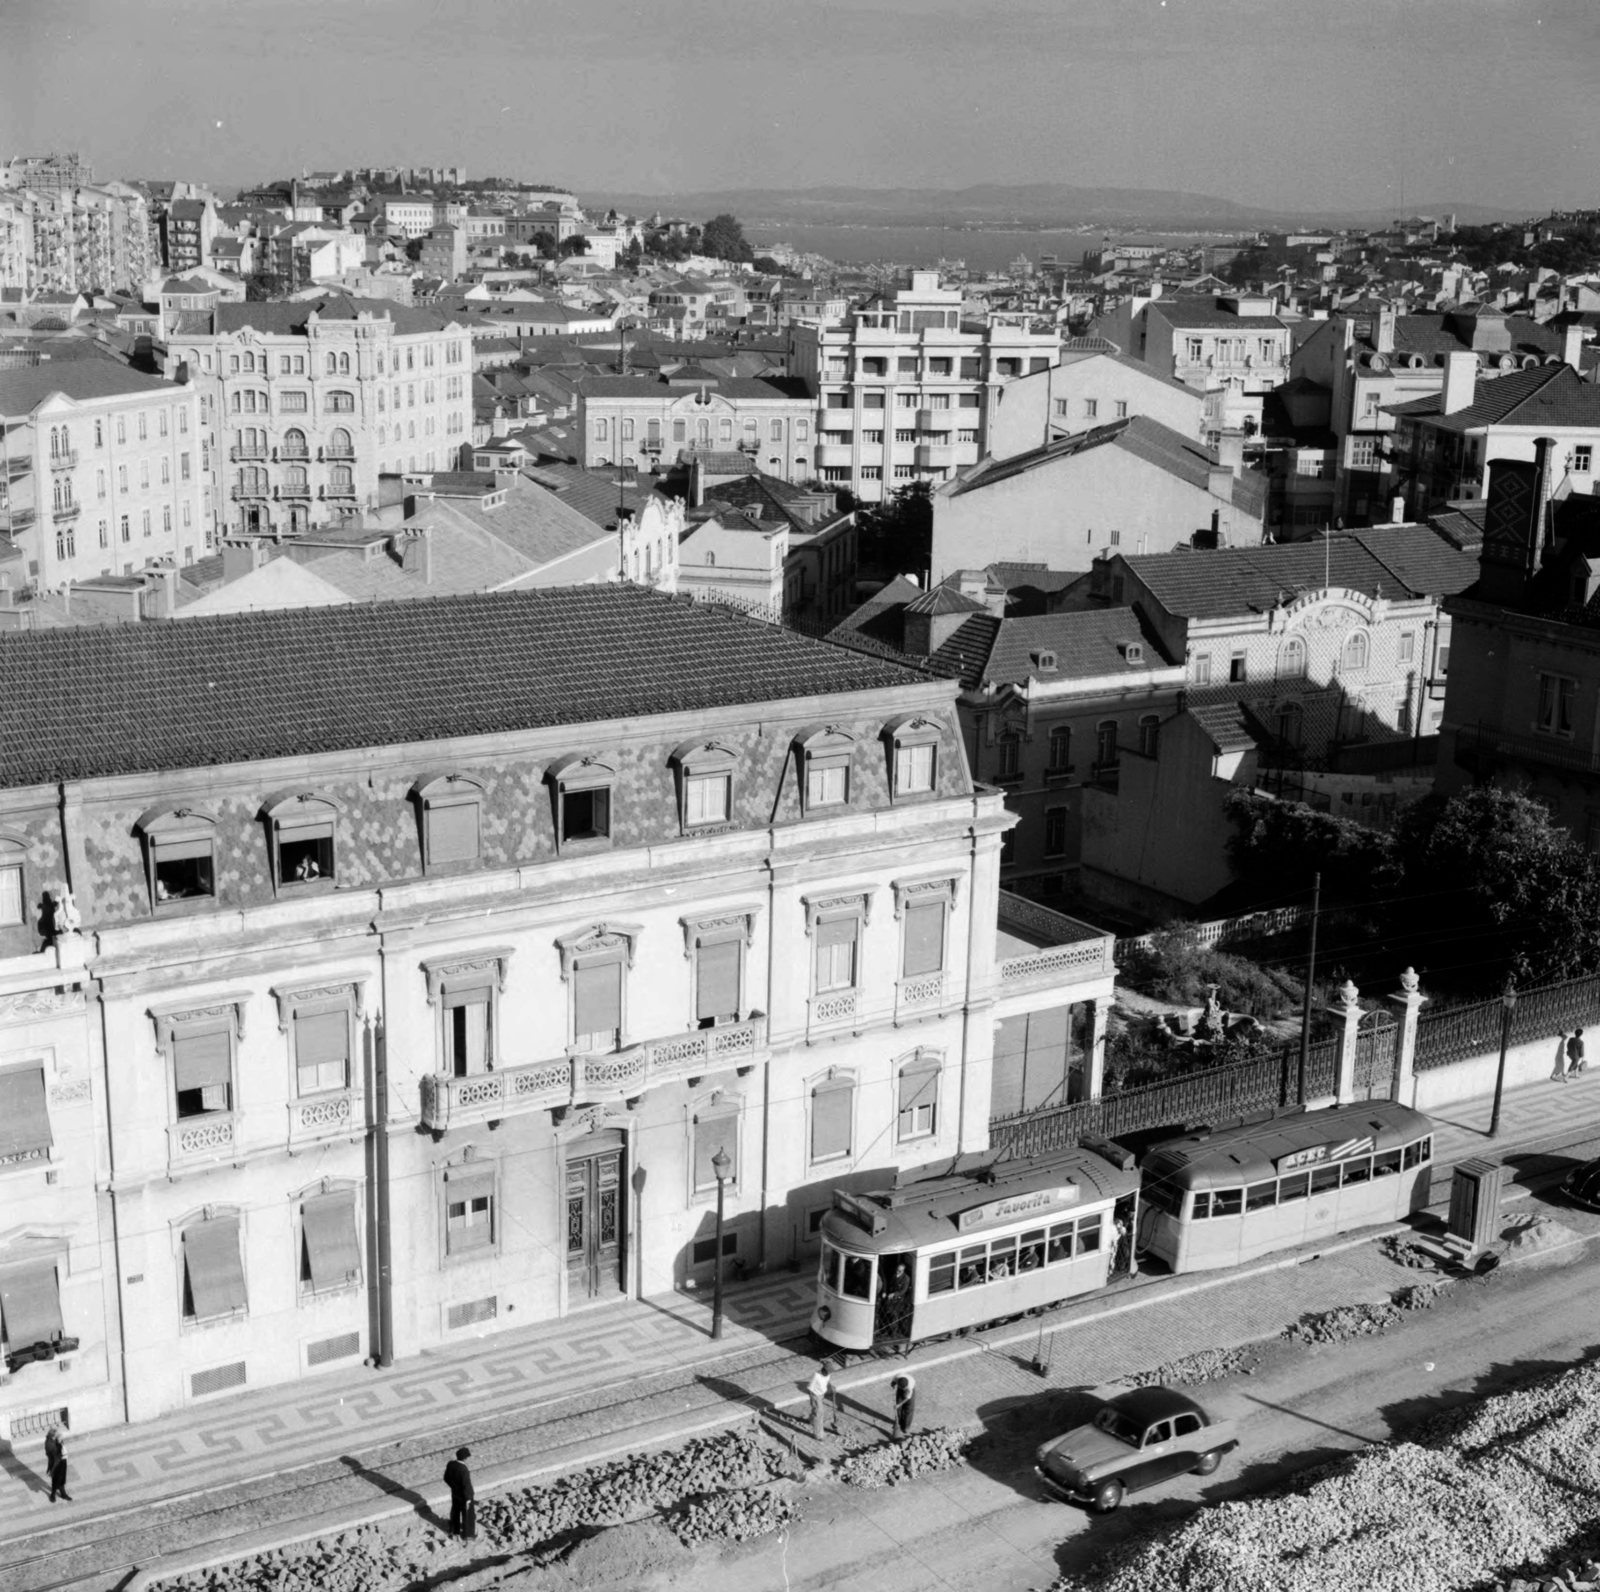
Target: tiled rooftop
x: 87, y: 703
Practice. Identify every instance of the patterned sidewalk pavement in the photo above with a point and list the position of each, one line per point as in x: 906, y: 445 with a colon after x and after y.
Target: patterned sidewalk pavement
x: 620, y: 1376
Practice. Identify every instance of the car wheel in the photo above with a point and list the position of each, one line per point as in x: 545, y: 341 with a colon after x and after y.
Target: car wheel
x: 1107, y: 1496
x: 1208, y: 1462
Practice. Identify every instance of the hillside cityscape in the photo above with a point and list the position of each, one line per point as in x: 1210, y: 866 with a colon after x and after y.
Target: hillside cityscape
x: 720, y: 879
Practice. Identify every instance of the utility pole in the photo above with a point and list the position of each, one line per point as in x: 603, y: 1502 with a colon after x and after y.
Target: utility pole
x: 1311, y: 970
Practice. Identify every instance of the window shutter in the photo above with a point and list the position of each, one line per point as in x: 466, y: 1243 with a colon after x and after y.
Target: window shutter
x: 710, y: 1135
x: 24, y: 1116
x: 11, y: 895
x: 182, y: 850
x: 201, y: 1060
x: 321, y: 1037
x: 453, y: 833
x: 1045, y: 1074
x: 830, y: 1120
x: 924, y: 948
x: 717, y: 980
x: 597, y: 998
x: 331, y: 1242
x: 1010, y: 1050
x: 919, y: 1084
x: 30, y: 1301
x: 216, y: 1269
x: 840, y: 931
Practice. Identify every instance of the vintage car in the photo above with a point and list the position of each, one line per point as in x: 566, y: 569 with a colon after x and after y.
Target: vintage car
x: 1582, y: 1185
x: 1136, y: 1439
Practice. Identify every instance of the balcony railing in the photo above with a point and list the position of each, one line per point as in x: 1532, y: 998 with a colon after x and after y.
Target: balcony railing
x: 914, y: 997
x: 66, y: 511
x: 292, y: 455
x: 1062, y: 946
x: 65, y: 460
x: 207, y: 1138
x: 586, y: 1078
x: 1479, y: 746
x: 339, y: 489
x: 326, y: 1117
x: 836, y: 1009
x: 293, y: 489
x: 248, y: 451
x: 245, y: 494
x: 338, y: 453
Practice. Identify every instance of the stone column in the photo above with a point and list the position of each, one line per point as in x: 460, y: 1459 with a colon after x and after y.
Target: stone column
x: 1408, y: 1001
x: 1349, y: 1010
x: 1094, y: 1060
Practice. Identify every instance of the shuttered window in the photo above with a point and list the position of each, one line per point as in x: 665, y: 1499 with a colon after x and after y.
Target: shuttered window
x: 597, y: 1003
x: 913, y: 769
x: 452, y: 833
x: 924, y: 938
x: 322, y: 1051
x: 1032, y: 1062
x: 331, y: 1255
x: 202, y: 1066
x: 705, y: 798
x: 11, y: 912
x: 469, y: 1030
x: 832, y: 1107
x: 713, y: 1133
x: 919, y: 1098
x: 30, y: 1305
x: 24, y: 1116
x: 836, y: 954
x: 213, y: 1269
x: 469, y: 1212
x: 716, y: 982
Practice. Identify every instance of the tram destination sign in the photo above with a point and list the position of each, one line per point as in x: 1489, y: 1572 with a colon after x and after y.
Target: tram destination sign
x: 1324, y: 1152
x: 1038, y: 1200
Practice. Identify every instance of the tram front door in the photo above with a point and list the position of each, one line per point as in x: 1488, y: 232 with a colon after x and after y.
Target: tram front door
x: 594, y: 1195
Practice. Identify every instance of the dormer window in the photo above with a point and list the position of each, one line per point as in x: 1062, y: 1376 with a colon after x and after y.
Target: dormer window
x: 824, y: 755
x: 13, y: 895
x: 704, y: 774
x: 301, y: 832
x: 913, y: 745
x: 581, y: 789
x: 180, y: 855
x: 1044, y: 661
x: 1133, y: 651
x: 450, y: 814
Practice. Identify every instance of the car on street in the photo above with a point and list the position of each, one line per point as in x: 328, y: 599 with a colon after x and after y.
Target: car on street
x: 1136, y: 1439
x: 1582, y: 1185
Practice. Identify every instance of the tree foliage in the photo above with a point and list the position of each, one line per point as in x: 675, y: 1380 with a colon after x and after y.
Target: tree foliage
x: 576, y: 244
x: 1279, y: 847
x: 767, y: 266
x: 897, y: 535
x: 722, y: 237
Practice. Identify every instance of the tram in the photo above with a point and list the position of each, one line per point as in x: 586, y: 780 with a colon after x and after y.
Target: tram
x: 1224, y: 1195
x: 948, y: 1253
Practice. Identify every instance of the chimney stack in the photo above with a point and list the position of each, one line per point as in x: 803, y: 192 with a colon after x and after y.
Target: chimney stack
x: 1230, y: 451
x: 1383, y: 338
x: 1460, y: 381
x: 1544, y: 464
x: 1219, y: 482
x: 1572, y: 347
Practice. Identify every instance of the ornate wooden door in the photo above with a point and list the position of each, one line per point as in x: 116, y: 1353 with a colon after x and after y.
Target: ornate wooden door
x: 594, y: 1196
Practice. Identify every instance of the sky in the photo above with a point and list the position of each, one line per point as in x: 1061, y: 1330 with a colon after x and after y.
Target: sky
x: 1298, y: 104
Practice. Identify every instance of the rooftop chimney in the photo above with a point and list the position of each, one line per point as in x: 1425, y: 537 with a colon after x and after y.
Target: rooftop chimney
x: 1230, y: 451
x: 1572, y: 347
x: 1383, y: 337
x: 1219, y: 482
x: 1460, y: 381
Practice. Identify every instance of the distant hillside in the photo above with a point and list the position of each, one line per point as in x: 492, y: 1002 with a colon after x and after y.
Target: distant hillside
x: 997, y: 204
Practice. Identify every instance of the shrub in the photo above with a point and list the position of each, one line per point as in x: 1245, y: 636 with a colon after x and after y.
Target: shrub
x: 1174, y: 969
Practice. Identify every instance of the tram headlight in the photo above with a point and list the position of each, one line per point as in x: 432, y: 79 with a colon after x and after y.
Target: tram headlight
x: 824, y: 1313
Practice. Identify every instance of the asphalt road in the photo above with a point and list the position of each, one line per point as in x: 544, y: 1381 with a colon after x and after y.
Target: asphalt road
x: 988, y: 1526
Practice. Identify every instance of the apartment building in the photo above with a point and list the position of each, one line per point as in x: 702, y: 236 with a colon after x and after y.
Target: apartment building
x: 623, y: 884
x: 907, y: 389
x: 104, y: 470
x: 303, y: 404
x: 16, y: 241
x: 189, y: 231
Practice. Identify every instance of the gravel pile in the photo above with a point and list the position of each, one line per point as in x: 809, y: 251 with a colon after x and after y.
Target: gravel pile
x: 1206, y: 1365
x: 1493, y: 1495
x: 889, y: 1464
x: 1360, y: 1321
x: 733, y: 1516
x: 1408, y: 1252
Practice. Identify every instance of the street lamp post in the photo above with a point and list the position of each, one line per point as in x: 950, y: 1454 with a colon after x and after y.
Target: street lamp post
x: 1508, y: 1004
x: 721, y: 1164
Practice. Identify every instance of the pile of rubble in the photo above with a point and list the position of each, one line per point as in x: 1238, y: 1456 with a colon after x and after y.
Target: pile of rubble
x: 1205, y: 1365
x: 889, y: 1464
x: 1359, y: 1321
x: 733, y: 1516
x: 1504, y: 1493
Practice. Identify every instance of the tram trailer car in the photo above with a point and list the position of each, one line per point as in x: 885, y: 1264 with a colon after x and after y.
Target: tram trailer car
x: 1224, y: 1195
x: 947, y: 1253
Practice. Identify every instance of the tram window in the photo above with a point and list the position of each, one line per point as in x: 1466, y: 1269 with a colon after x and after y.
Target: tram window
x: 1387, y: 1164
x: 1060, y: 1242
x: 942, y: 1273
x: 857, y: 1277
x: 1357, y: 1171
x: 974, y: 1267
x: 1088, y: 1235
x: 1202, y: 1207
x: 1417, y: 1153
x: 1261, y: 1196
x: 1031, y: 1255
x: 830, y: 1267
x: 1227, y: 1201
x: 1002, y: 1258
x: 1162, y: 1196
x: 1427, y: 1148
x: 1293, y: 1187
x: 1324, y: 1180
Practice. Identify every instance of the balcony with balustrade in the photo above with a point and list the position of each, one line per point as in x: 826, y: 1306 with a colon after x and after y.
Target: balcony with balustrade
x: 64, y: 459
x: 588, y: 1078
x: 247, y: 452
x: 63, y: 512
x: 1040, y: 949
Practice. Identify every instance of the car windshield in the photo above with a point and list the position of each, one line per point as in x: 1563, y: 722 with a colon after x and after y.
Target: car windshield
x: 1114, y: 1422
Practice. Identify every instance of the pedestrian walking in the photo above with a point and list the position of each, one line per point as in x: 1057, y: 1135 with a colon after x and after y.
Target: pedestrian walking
x: 1576, y: 1060
x: 55, y: 1460
x: 820, y: 1387
x: 905, y: 1405
x: 463, y: 1500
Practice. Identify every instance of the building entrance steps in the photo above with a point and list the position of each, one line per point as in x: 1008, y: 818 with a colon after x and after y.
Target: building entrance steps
x: 610, y: 1381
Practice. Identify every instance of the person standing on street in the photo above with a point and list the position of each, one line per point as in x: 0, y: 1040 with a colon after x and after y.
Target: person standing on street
x: 55, y: 1459
x: 905, y: 1405
x: 1575, y: 1057
x: 463, y: 1500
x: 820, y: 1387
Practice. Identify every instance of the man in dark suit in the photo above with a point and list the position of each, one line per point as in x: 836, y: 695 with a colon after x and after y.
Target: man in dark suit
x: 463, y: 1501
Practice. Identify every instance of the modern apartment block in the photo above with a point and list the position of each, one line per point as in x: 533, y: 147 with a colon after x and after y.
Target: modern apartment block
x: 305, y: 403
x: 907, y: 388
x: 16, y: 240
x: 95, y: 236
x: 483, y: 924
x: 104, y: 470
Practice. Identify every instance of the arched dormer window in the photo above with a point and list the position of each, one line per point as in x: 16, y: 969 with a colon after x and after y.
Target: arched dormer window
x: 1355, y: 651
x: 824, y: 755
x: 180, y: 855
x: 13, y: 891
x: 302, y: 834
x: 581, y: 789
x: 1292, y: 659
x: 912, y: 741
x: 450, y: 820
x: 704, y: 771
